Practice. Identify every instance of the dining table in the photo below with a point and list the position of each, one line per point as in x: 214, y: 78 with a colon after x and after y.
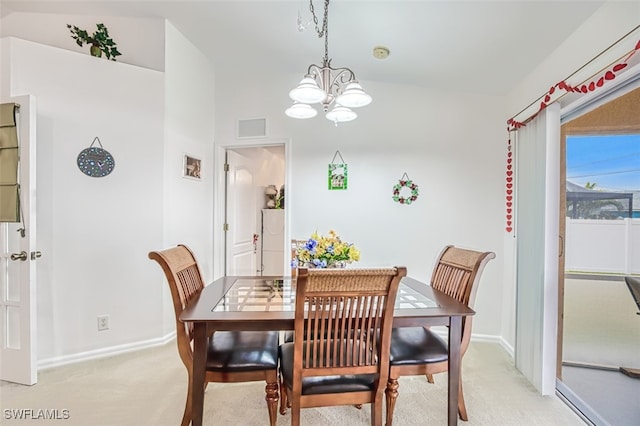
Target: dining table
x: 268, y: 303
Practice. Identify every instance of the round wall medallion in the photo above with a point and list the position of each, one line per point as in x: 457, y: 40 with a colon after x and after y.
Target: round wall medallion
x: 95, y: 162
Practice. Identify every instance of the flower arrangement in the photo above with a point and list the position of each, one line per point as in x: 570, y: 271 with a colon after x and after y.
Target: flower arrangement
x: 325, y: 252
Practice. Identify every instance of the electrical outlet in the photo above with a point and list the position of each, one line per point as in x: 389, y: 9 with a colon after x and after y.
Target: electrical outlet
x: 103, y: 322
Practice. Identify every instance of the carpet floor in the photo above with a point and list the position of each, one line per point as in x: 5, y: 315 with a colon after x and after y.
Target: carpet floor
x: 148, y: 387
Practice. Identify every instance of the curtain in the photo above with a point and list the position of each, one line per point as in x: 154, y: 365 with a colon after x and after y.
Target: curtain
x: 9, y: 188
x: 537, y: 204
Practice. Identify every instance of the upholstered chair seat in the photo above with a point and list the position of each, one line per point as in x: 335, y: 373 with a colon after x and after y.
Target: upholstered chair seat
x: 415, y: 346
x: 242, y: 351
x: 288, y: 336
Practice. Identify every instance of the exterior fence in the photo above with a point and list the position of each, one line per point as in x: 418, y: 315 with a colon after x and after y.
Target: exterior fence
x: 601, y: 328
x: 603, y: 246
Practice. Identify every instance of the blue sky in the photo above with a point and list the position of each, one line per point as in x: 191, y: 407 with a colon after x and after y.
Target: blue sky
x: 612, y: 162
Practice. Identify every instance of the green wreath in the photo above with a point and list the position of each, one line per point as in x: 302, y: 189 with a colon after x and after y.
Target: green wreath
x: 405, y: 184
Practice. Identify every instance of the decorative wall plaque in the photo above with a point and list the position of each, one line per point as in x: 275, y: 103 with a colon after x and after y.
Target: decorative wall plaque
x: 337, y: 173
x: 95, y: 162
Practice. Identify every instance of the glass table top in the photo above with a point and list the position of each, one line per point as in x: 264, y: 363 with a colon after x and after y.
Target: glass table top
x: 279, y: 295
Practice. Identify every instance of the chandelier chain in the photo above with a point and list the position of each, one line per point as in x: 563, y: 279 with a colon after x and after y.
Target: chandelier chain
x: 325, y: 26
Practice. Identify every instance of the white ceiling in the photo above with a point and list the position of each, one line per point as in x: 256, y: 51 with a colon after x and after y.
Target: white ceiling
x: 478, y: 46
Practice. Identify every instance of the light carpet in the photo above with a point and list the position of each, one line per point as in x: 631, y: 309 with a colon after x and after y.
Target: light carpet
x: 148, y: 387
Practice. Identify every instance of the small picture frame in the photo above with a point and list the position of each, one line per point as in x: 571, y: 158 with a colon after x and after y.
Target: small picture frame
x: 191, y: 167
x: 337, y: 176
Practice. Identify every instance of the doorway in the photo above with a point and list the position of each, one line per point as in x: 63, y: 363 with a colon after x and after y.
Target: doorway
x: 598, y: 329
x: 18, y: 316
x: 253, y: 212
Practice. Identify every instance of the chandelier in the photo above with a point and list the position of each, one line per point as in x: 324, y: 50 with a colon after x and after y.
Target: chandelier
x: 327, y: 85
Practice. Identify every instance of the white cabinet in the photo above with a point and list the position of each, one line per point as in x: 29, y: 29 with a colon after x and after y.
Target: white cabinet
x: 272, y: 242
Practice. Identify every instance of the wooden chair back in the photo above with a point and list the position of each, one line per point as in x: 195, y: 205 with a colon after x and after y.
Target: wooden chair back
x: 185, y: 282
x: 341, y: 311
x: 457, y: 273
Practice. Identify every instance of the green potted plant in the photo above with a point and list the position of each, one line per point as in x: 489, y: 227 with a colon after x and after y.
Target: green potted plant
x: 99, y: 41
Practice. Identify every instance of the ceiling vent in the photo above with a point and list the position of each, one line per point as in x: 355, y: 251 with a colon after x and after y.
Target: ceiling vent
x: 252, y: 128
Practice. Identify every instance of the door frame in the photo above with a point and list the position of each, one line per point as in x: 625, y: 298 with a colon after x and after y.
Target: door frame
x: 219, y: 196
x: 595, y: 125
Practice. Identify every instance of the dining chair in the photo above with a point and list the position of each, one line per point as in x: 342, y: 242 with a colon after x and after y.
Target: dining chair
x: 418, y: 350
x: 633, y: 284
x: 232, y: 356
x: 335, y: 357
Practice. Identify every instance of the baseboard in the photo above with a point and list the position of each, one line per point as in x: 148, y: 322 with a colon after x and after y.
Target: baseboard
x: 487, y: 338
x: 47, y: 363
x: 44, y: 364
x: 494, y: 339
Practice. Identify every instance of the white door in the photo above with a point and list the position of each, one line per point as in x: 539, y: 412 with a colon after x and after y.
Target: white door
x: 18, y: 354
x: 241, y: 216
x: 272, y: 242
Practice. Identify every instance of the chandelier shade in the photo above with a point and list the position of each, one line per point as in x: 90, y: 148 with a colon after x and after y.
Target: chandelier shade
x: 327, y: 85
x: 308, y: 91
x: 340, y: 114
x: 353, y: 96
x: 300, y: 110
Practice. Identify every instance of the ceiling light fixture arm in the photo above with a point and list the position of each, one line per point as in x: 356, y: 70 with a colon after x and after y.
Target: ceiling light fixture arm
x: 331, y: 80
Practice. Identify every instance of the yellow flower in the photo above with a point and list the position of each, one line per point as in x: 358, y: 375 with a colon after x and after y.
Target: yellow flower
x: 355, y: 253
x: 323, y: 251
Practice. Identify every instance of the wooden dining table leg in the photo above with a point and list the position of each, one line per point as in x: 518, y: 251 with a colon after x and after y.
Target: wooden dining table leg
x: 455, y: 336
x: 199, y: 369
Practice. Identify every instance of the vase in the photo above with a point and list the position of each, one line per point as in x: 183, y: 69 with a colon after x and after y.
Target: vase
x: 333, y: 265
x: 95, y: 51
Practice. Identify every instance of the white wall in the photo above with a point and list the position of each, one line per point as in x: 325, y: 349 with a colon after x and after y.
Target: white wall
x: 450, y: 144
x: 94, y: 233
x: 188, y: 129
x: 610, y: 23
x: 140, y: 41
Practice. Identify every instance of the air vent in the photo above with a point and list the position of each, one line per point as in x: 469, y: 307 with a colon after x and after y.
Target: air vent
x: 252, y: 128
